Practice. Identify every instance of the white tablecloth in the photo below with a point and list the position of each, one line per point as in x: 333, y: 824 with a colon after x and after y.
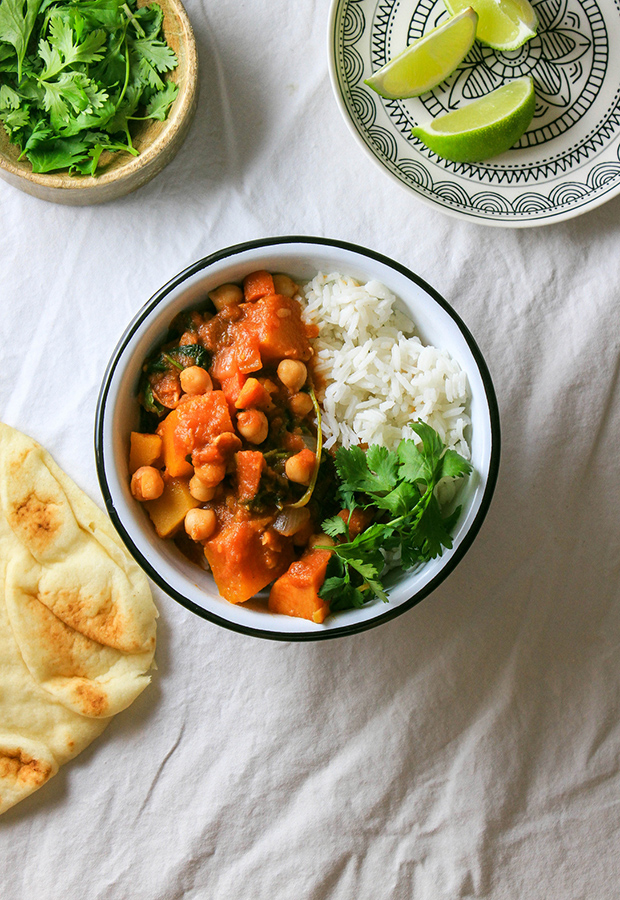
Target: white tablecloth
x: 470, y: 747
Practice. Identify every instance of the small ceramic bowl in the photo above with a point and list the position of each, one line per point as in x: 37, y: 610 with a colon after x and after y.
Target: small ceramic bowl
x: 118, y: 413
x: 157, y: 142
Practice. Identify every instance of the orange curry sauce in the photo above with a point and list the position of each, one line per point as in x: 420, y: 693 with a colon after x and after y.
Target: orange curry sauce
x: 226, y: 466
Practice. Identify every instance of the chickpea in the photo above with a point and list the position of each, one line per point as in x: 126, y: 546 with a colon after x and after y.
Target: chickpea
x: 300, y: 405
x: 299, y: 468
x: 292, y: 373
x: 200, y: 524
x: 252, y: 424
x: 210, y: 474
x: 226, y: 295
x: 322, y: 540
x: 147, y: 483
x: 284, y: 285
x: 195, y: 380
x: 199, y: 490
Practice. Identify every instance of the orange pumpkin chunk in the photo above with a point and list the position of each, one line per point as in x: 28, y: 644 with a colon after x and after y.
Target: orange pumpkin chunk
x: 242, y: 562
x: 250, y: 465
x: 169, y: 510
x: 276, y: 321
x: 145, y: 450
x: 256, y: 285
x: 296, y: 593
x: 173, y: 446
x: 254, y: 395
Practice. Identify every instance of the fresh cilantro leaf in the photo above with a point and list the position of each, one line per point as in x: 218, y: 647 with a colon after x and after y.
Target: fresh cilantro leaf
x: 150, y: 18
x: 330, y: 587
x: 86, y: 51
x: 432, y: 444
x: 17, y: 18
x: 383, y: 463
x: 432, y: 532
x: 40, y: 132
x: 89, y: 166
x: 156, y: 53
x: 453, y: 465
x: 9, y: 99
x: 352, y: 467
x: 7, y: 52
x: 57, y: 154
x: 348, y: 597
x: 65, y: 96
x: 52, y: 59
x: 400, y: 500
x: 149, y: 75
x: 413, y: 463
x: 335, y: 526
x: 160, y: 103
x: 14, y: 119
x: 401, y: 488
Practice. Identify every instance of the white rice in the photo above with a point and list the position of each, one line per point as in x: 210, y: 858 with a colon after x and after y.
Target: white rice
x: 379, y: 376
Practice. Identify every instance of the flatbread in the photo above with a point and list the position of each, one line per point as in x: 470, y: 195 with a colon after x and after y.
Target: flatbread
x: 77, y: 620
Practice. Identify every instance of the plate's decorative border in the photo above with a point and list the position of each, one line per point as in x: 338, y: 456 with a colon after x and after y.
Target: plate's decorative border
x: 581, y: 189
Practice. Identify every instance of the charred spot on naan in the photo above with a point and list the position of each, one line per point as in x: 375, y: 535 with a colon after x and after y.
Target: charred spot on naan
x: 19, y: 767
x: 37, y: 519
x: 92, y: 699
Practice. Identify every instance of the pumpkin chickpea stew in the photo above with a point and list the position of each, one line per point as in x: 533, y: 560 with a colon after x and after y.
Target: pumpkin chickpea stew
x: 228, y: 462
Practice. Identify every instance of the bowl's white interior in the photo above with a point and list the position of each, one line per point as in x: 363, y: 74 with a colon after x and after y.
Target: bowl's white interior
x: 120, y: 415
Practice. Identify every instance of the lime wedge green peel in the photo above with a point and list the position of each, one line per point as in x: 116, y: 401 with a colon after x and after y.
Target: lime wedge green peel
x: 484, y: 128
x: 503, y: 24
x: 428, y: 61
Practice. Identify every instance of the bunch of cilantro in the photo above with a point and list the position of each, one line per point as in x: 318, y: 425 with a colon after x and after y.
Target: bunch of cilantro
x: 74, y: 76
x: 399, y: 487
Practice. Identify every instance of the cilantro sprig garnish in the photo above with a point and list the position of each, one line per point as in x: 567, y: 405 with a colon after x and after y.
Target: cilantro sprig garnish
x: 74, y: 75
x: 399, y: 487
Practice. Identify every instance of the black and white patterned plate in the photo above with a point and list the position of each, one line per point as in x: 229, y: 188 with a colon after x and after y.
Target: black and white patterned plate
x: 566, y: 163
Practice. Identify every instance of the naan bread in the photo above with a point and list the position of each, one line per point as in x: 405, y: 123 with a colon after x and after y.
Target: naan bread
x: 77, y: 620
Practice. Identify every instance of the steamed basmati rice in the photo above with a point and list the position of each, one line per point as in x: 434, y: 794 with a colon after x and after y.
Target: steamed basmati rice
x: 379, y: 376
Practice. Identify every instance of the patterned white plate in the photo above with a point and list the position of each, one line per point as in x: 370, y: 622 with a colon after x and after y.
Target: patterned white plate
x: 569, y: 159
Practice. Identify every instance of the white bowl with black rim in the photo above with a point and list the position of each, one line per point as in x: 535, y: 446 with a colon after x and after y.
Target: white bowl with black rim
x: 118, y: 414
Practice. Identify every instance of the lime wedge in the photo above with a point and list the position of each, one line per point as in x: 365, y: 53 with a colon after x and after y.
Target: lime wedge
x: 483, y: 128
x: 428, y: 61
x: 504, y: 24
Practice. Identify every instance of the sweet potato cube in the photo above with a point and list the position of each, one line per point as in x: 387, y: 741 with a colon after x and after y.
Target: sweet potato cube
x: 250, y: 465
x: 296, y: 593
x: 169, y: 510
x: 276, y: 320
x: 247, y: 351
x: 256, y: 285
x: 191, y: 426
x: 242, y: 563
x: 173, y: 446
x: 145, y: 450
x: 253, y: 395
x: 231, y: 388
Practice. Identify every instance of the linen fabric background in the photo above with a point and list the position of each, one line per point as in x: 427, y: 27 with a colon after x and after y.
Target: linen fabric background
x: 468, y: 749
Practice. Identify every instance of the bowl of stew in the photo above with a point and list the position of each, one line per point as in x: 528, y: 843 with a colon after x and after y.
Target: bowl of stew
x: 218, y: 456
